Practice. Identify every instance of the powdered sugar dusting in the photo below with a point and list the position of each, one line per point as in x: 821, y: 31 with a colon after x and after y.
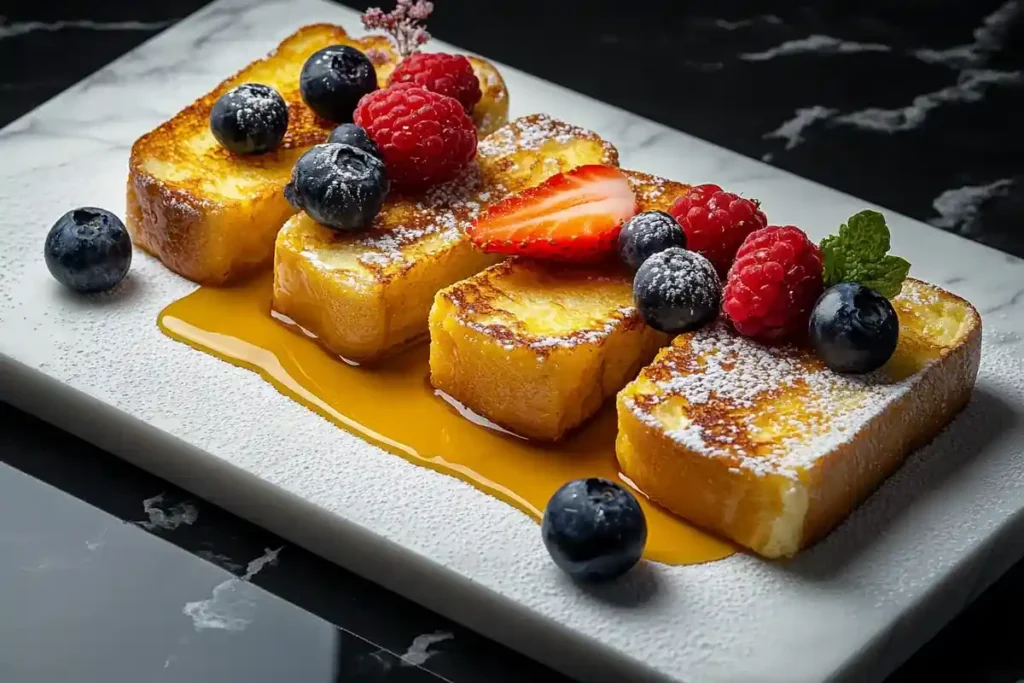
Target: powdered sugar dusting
x: 733, y: 390
x: 728, y: 383
x: 446, y: 210
x: 683, y: 279
x: 530, y: 133
x: 258, y: 106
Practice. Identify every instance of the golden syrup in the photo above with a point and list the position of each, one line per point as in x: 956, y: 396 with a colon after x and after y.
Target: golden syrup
x: 393, y: 406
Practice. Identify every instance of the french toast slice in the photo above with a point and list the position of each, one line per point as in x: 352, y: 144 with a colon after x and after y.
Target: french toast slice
x: 211, y: 215
x: 537, y: 347
x: 768, y: 447
x: 365, y: 295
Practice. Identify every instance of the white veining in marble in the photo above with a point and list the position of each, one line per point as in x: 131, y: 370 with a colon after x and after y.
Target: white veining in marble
x: 19, y: 28
x: 219, y: 559
x: 169, y: 519
x: 959, y: 207
x: 989, y: 37
x: 792, y: 130
x: 419, y: 651
x: 971, y: 86
x: 814, y: 44
x: 968, y: 62
x: 738, y: 619
x: 727, y: 25
x: 98, y: 542
x: 233, y: 604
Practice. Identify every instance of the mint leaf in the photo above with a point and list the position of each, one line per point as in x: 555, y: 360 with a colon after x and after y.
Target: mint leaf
x: 886, y: 277
x: 858, y: 254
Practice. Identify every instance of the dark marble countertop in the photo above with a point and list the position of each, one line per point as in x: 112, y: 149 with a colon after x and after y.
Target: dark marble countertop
x: 108, y: 574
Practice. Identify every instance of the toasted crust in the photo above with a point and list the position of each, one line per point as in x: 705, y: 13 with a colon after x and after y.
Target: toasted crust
x: 537, y: 348
x: 772, y: 449
x: 366, y: 295
x: 211, y: 215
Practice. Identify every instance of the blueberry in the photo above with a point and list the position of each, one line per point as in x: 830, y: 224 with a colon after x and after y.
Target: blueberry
x: 351, y: 134
x: 339, y: 185
x: 594, y: 529
x: 88, y: 250
x: 854, y: 328
x: 334, y: 78
x: 249, y: 119
x: 646, y: 234
x: 677, y: 291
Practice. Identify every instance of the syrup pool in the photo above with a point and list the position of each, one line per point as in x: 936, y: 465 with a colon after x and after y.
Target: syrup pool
x: 393, y: 406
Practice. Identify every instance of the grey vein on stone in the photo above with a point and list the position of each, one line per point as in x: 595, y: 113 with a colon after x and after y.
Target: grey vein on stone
x: 958, y: 208
x: 170, y: 519
x: 989, y: 37
x: 814, y: 44
x: 792, y: 130
x: 232, y: 605
x: 971, y: 86
x: 727, y: 25
x: 17, y: 28
x: 419, y: 650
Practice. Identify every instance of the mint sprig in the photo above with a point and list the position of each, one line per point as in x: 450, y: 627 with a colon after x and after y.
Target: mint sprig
x: 859, y: 253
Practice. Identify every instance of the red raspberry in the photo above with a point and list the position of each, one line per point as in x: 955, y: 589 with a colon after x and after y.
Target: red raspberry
x: 450, y: 75
x: 774, y: 283
x: 716, y: 222
x: 424, y: 137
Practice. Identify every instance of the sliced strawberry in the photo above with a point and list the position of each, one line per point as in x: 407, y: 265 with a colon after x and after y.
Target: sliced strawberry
x: 574, y: 216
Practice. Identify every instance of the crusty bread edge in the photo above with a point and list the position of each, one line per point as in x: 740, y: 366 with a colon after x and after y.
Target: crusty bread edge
x: 789, y: 515
x: 849, y: 474
x: 167, y: 220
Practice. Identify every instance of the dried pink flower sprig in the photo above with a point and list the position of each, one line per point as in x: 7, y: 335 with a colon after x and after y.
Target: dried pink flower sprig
x: 404, y: 24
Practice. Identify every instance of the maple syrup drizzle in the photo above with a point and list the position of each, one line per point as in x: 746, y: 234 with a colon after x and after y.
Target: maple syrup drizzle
x: 394, y: 407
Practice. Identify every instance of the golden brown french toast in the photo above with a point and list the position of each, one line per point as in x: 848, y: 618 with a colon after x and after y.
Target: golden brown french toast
x: 537, y: 347
x: 767, y: 446
x: 364, y: 295
x: 211, y: 215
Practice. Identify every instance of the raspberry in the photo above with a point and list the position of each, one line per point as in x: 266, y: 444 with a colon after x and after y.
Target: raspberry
x: 773, y: 284
x: 424, y: 137
x: 450, y: 75
x: 716, y: 222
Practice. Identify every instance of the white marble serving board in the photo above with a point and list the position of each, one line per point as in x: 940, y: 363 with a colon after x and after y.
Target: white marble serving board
x: 851, y: 608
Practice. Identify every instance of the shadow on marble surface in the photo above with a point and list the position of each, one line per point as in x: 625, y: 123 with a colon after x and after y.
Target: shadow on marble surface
x: 633, y: 591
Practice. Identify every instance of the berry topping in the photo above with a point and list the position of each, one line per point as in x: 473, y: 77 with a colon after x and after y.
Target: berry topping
x: 716, y: 222
x: 334, y: 78
x: 646, y: 234
x: 594, y: 529
x: 424, y: 137
x: 340, y: 186
x: 450, y: 75
x: 351, y: 134
x: 88, y: 250
x: 249, y: 119
x: 773, y: 284
x: 574, y: 216
x: 858, y: 254
x: 677, y: 291
x: 854, y: 328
